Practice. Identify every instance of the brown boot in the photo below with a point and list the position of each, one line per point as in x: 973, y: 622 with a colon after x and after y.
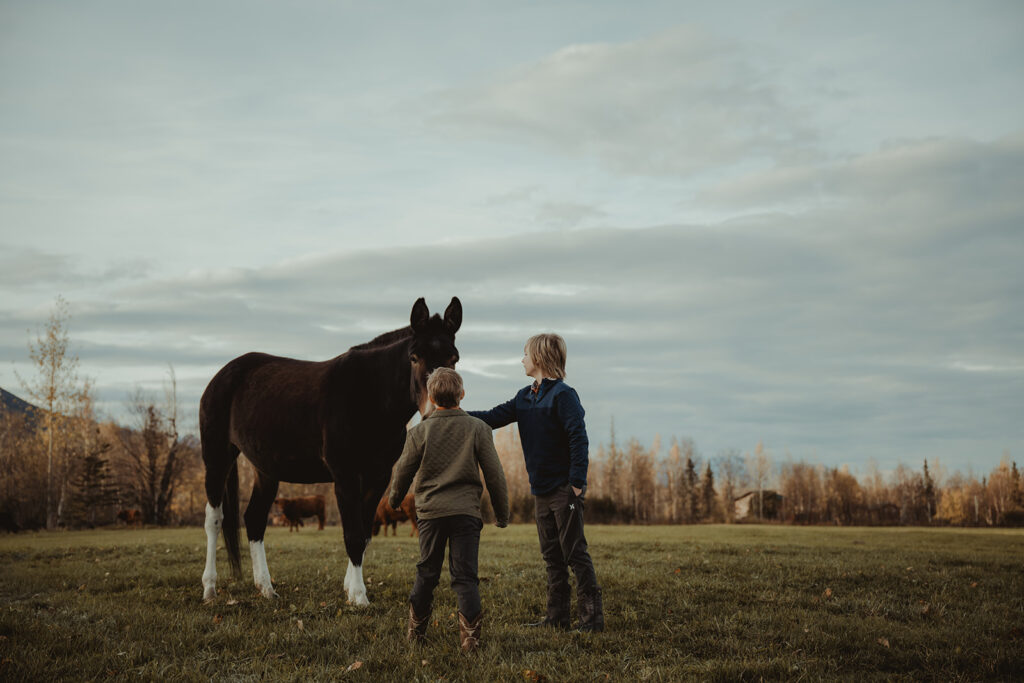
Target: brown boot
x: 417, y: 626
x: 469, y: 631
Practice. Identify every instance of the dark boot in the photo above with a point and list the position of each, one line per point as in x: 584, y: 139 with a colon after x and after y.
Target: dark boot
x: 469, y: 631
x: 558, y: 612
x: 417, y: 626
x: 591, y: 612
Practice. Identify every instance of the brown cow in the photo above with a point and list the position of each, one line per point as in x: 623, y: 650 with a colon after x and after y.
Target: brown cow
x: 130, y: 516
x: 389, y: 516
x: 294, y: 509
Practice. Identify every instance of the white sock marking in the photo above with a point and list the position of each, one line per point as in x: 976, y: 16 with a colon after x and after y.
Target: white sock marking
x: 214, y: 520
x: 260, y: 571
x: 354, y: 585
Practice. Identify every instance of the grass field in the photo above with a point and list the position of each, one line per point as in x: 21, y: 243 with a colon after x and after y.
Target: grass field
x: 681, y: 603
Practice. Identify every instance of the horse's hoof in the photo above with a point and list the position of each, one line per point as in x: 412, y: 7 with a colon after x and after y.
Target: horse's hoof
x: 209, y: 595
x: 269, y: 593
x: 359, y: 600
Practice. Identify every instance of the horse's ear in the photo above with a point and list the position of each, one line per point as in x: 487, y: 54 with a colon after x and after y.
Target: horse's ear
x: 453, y: 315
x: 420, y: 315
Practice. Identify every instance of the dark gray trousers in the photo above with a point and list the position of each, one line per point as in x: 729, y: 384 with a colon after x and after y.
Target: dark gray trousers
x: 563, y: 545
x: 461, y: 534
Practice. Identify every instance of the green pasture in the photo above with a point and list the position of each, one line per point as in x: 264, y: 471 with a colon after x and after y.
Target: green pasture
x: 682, y: 603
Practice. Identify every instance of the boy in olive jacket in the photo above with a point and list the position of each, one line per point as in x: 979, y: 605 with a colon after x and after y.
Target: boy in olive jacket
x: 448, y: 449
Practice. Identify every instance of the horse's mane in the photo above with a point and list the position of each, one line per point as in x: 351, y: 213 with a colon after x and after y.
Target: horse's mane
x: 386, y: 339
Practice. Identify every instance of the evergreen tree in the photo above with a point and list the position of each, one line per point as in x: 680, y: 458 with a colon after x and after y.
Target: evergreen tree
x: 94, y: 489
x: 689, y: 491
x: 1018, y: 486
x: 707, y: 495
x: 928, y: 494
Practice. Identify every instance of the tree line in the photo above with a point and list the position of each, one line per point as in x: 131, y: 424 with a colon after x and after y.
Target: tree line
x: 60, y: 466
x: 637, y: 484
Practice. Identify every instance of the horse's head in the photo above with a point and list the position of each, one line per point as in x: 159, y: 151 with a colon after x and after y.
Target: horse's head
x: 432, y: 346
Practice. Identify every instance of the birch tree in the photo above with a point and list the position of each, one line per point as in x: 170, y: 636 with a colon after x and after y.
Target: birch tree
x: 55, y: 390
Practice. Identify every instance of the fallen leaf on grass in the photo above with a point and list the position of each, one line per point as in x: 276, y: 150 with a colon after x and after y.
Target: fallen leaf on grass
x: 323, y: 604
x: 217, y: 619
x: 884, y: 642
x: 828, y: 593
x: 299, y: 624
x: 974, y: 584
x: 423, y: 662
x: 354, y: 665
x: 926, y: 609
x: 678, y: 570
x: 531, y: 675
x: 232, y: 602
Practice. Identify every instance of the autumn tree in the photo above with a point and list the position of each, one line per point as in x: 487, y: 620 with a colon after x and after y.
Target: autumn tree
x: 641, y: 481
x: 22, y: 473
x: 55, y: 389
x: 671, y: 472
x: 843, y: 496
x: 510, y: 453
x: 803, y: 493
x: 759, y: 466
x: 1001, y: 490
x: 614, y: 471
x: 155, y: 454
x: 732, y: 475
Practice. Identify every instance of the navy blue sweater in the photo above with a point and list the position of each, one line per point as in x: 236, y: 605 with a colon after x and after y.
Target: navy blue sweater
x: 552, y: 432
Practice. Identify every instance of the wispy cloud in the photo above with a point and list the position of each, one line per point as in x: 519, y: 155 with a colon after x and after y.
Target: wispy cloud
x: 678, y: 102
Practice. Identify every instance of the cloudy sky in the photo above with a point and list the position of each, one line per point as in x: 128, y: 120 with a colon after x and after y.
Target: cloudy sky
x: 800, y: 223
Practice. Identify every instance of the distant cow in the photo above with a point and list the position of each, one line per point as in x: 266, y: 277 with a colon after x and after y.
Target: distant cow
x: 294, y: 509
x: 132, y: 517
x: 388, y: 516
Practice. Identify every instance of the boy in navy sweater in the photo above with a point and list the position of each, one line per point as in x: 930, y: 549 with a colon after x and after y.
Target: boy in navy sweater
x: 555, y: 447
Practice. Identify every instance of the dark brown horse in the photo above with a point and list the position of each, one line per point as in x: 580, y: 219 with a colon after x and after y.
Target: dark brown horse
x: 341, y: 420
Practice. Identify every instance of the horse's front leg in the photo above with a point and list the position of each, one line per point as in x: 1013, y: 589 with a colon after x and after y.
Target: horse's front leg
x: 346, y: 490
x: 263, y: 493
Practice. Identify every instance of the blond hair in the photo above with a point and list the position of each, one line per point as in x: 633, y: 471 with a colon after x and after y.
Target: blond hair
x: 547, y: 352
x: 444, y: 386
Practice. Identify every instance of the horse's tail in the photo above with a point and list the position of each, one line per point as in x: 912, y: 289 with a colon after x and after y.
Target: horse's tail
x: 232, y: 522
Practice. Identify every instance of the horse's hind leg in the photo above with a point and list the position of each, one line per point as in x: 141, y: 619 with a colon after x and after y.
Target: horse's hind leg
x: 219, y: 462
x: 263, y: 493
